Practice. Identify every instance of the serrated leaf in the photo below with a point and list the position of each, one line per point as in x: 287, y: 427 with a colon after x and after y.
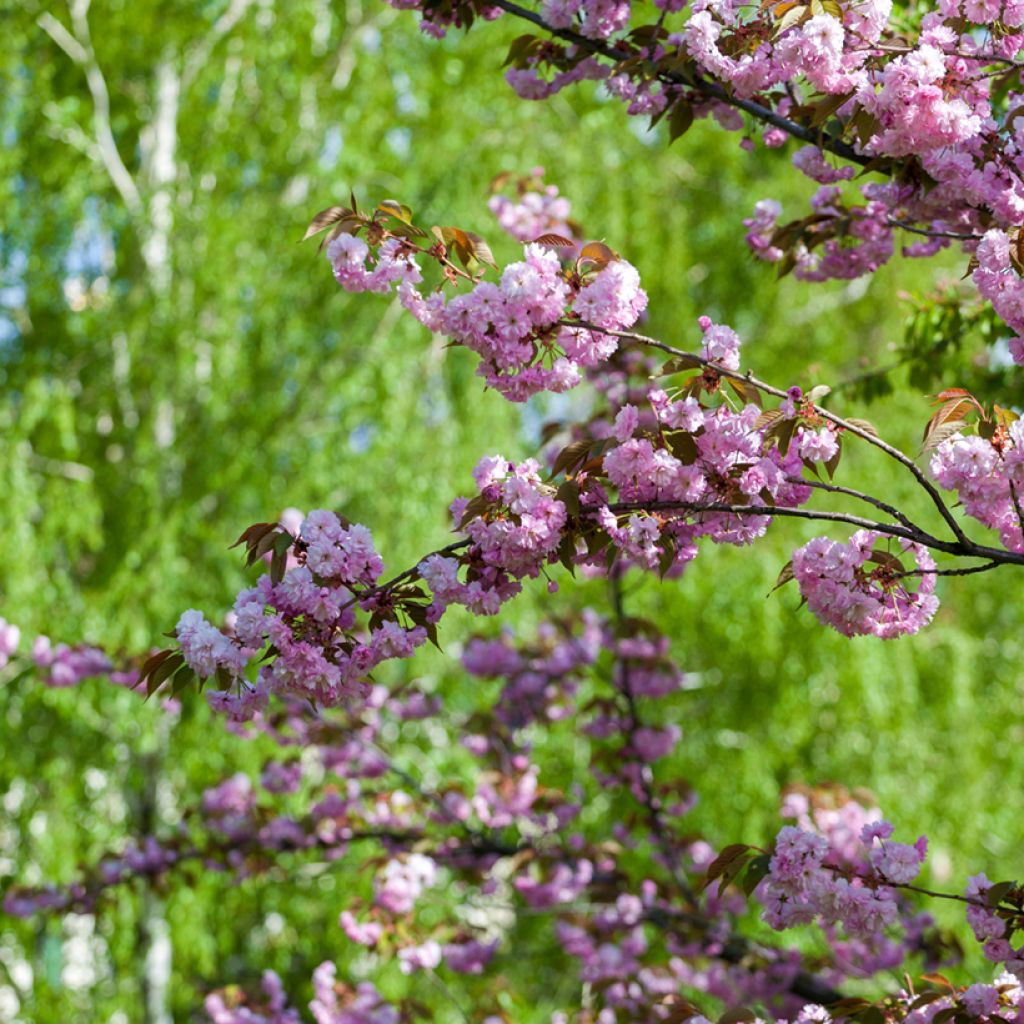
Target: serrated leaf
x: 785, y: 576
x: 557, y: 241
x: 396, y: 209
x: 768, y: 419
x: 468, y: 247
x: 833, y: 464
x: 253, y: 533
x: 667, y: 557
x: 790, y: 19
x: 520, y: 49
x: 866, y: 425
x: 278, y: 564
x: 848, y: 1007
x: 567, y: 552
x: 154, y: 661
x: 480, y: 250
x: 475, y: 507
x: 324, y: 219
x: 937, y: 435
x: 683, y: 447
x: 784, y: 435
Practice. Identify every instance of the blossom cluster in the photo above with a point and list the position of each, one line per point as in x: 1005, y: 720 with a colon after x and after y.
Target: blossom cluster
x: 515, y: 324
x: 617, y: 888
x: 60, y: 665
x: 537, y: 209
x: 987, y: 474
x: 922, y: 101
x: 861, y: 587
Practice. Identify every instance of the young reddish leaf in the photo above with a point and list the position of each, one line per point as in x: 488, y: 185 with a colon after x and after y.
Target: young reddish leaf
x: 866, y: 425
x: 679, y: 363
x: 936, y: 434
x: 745, y: 390
x: 480, y: 250
x: 925, y: 998
x: 769, y: 418
x: 597, y: 253
x: 254, y: 533
x: 558, y: 241
x: 476, y: 507
x: 324, y: 219
x: 997, y: 892
x: 785, y: 576
x: 396, y: 209
x: 937, y: 979
x: 722, y: 861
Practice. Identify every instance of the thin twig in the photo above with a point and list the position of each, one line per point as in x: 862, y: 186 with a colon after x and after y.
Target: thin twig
x: 710, y: 89
x: 852, y: 428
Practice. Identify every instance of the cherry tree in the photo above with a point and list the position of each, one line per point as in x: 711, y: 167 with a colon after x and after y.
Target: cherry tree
x: 683, y: 446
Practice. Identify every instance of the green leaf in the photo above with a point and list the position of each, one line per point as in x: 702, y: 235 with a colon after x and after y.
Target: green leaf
x: 569, y: 495
x: 757, y: 869
x: 680, y: 120
x: 571, y: 456
x: 163, y: 672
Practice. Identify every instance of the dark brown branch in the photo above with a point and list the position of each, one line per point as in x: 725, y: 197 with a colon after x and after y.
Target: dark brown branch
x: 966, y: 546
x: 710, y: 89
x: 654, y: 816
x: 931, y: 232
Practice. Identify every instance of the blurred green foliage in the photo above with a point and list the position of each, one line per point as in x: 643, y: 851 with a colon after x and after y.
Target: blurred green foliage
x: 176, y: 366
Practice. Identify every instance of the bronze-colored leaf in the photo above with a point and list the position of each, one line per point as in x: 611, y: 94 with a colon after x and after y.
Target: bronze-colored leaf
x: 727, y: 856
x: 937, y: 435
x: 253, y: 533
x: 785, y: 576
x: 866, y: 425
x: 558, y: 241
x: 324, y: 219
x: 745, y: 390
x: 480, y: 251
x: 768, y: 419
x: 597, y: 253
